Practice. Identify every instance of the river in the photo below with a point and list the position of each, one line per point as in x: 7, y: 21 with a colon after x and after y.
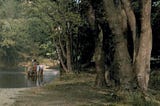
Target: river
x: 18, y: 79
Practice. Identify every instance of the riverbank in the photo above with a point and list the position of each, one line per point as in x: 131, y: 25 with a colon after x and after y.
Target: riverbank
x: 9, y: 95
x: 78, y: 90
x: 70, y: 90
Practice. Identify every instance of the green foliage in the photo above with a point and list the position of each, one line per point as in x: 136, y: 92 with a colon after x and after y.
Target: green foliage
x: 154, y: 82
x: 12, y: 32
x: 138, y: 100
x: 61, y: 18
x: 13, y: 39
x: 30, y: 27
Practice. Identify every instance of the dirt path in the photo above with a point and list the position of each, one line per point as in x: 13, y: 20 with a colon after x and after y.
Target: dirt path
x: 41, y: 97
x: 7, y: 95
x: 76, y: 90
x: 73, y: 90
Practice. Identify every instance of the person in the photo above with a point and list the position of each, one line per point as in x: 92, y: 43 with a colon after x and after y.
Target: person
x: 34, y: 67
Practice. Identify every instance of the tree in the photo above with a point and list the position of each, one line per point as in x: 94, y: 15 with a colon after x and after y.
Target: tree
x: 127, y: 68
x: 23, y: 34
x: 13, y: 36
x: 63, y: 20
x: 143, y: 52
x: 97, y: 34
x: 122, y: 62
x: 142, y: 62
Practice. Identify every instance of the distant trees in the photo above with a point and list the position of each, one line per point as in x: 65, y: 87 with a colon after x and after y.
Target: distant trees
x: 12, y: 35
x: 63, y: 20
x: 22, y: 34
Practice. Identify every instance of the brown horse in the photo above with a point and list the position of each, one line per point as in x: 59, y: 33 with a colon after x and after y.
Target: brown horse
x: 32, y: 71
x: 35, y: 71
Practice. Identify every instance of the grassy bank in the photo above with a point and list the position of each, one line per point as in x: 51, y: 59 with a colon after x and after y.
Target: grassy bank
x: 78, y: 90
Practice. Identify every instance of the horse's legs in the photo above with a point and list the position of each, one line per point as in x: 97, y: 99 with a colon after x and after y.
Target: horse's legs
x: 41, y: 72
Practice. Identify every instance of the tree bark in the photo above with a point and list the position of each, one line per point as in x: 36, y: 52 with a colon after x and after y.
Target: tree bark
x: 122, y: 62
x: 62, y: 47
x: 99, y: 52
x: 60, y: 58
x: 132, y: 23
x: 99, y: 60
x: 68, y: 50
x: 142, y: 62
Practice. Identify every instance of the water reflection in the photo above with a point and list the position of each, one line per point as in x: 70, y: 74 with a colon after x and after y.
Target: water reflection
x: 37, y: 81
x: 18, y: 79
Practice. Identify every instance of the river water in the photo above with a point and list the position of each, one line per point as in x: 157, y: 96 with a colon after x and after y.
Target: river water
x: 18, y: 79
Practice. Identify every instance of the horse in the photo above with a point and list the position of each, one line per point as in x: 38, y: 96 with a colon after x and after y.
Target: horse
x: 39, y: 70
x: 32, y: 71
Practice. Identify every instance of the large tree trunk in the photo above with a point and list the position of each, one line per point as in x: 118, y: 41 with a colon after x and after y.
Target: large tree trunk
x: 142, y: 62
x: 122, y: 62
x: 99, y: 60
x: 99, y: 52
x: 132, y: 23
